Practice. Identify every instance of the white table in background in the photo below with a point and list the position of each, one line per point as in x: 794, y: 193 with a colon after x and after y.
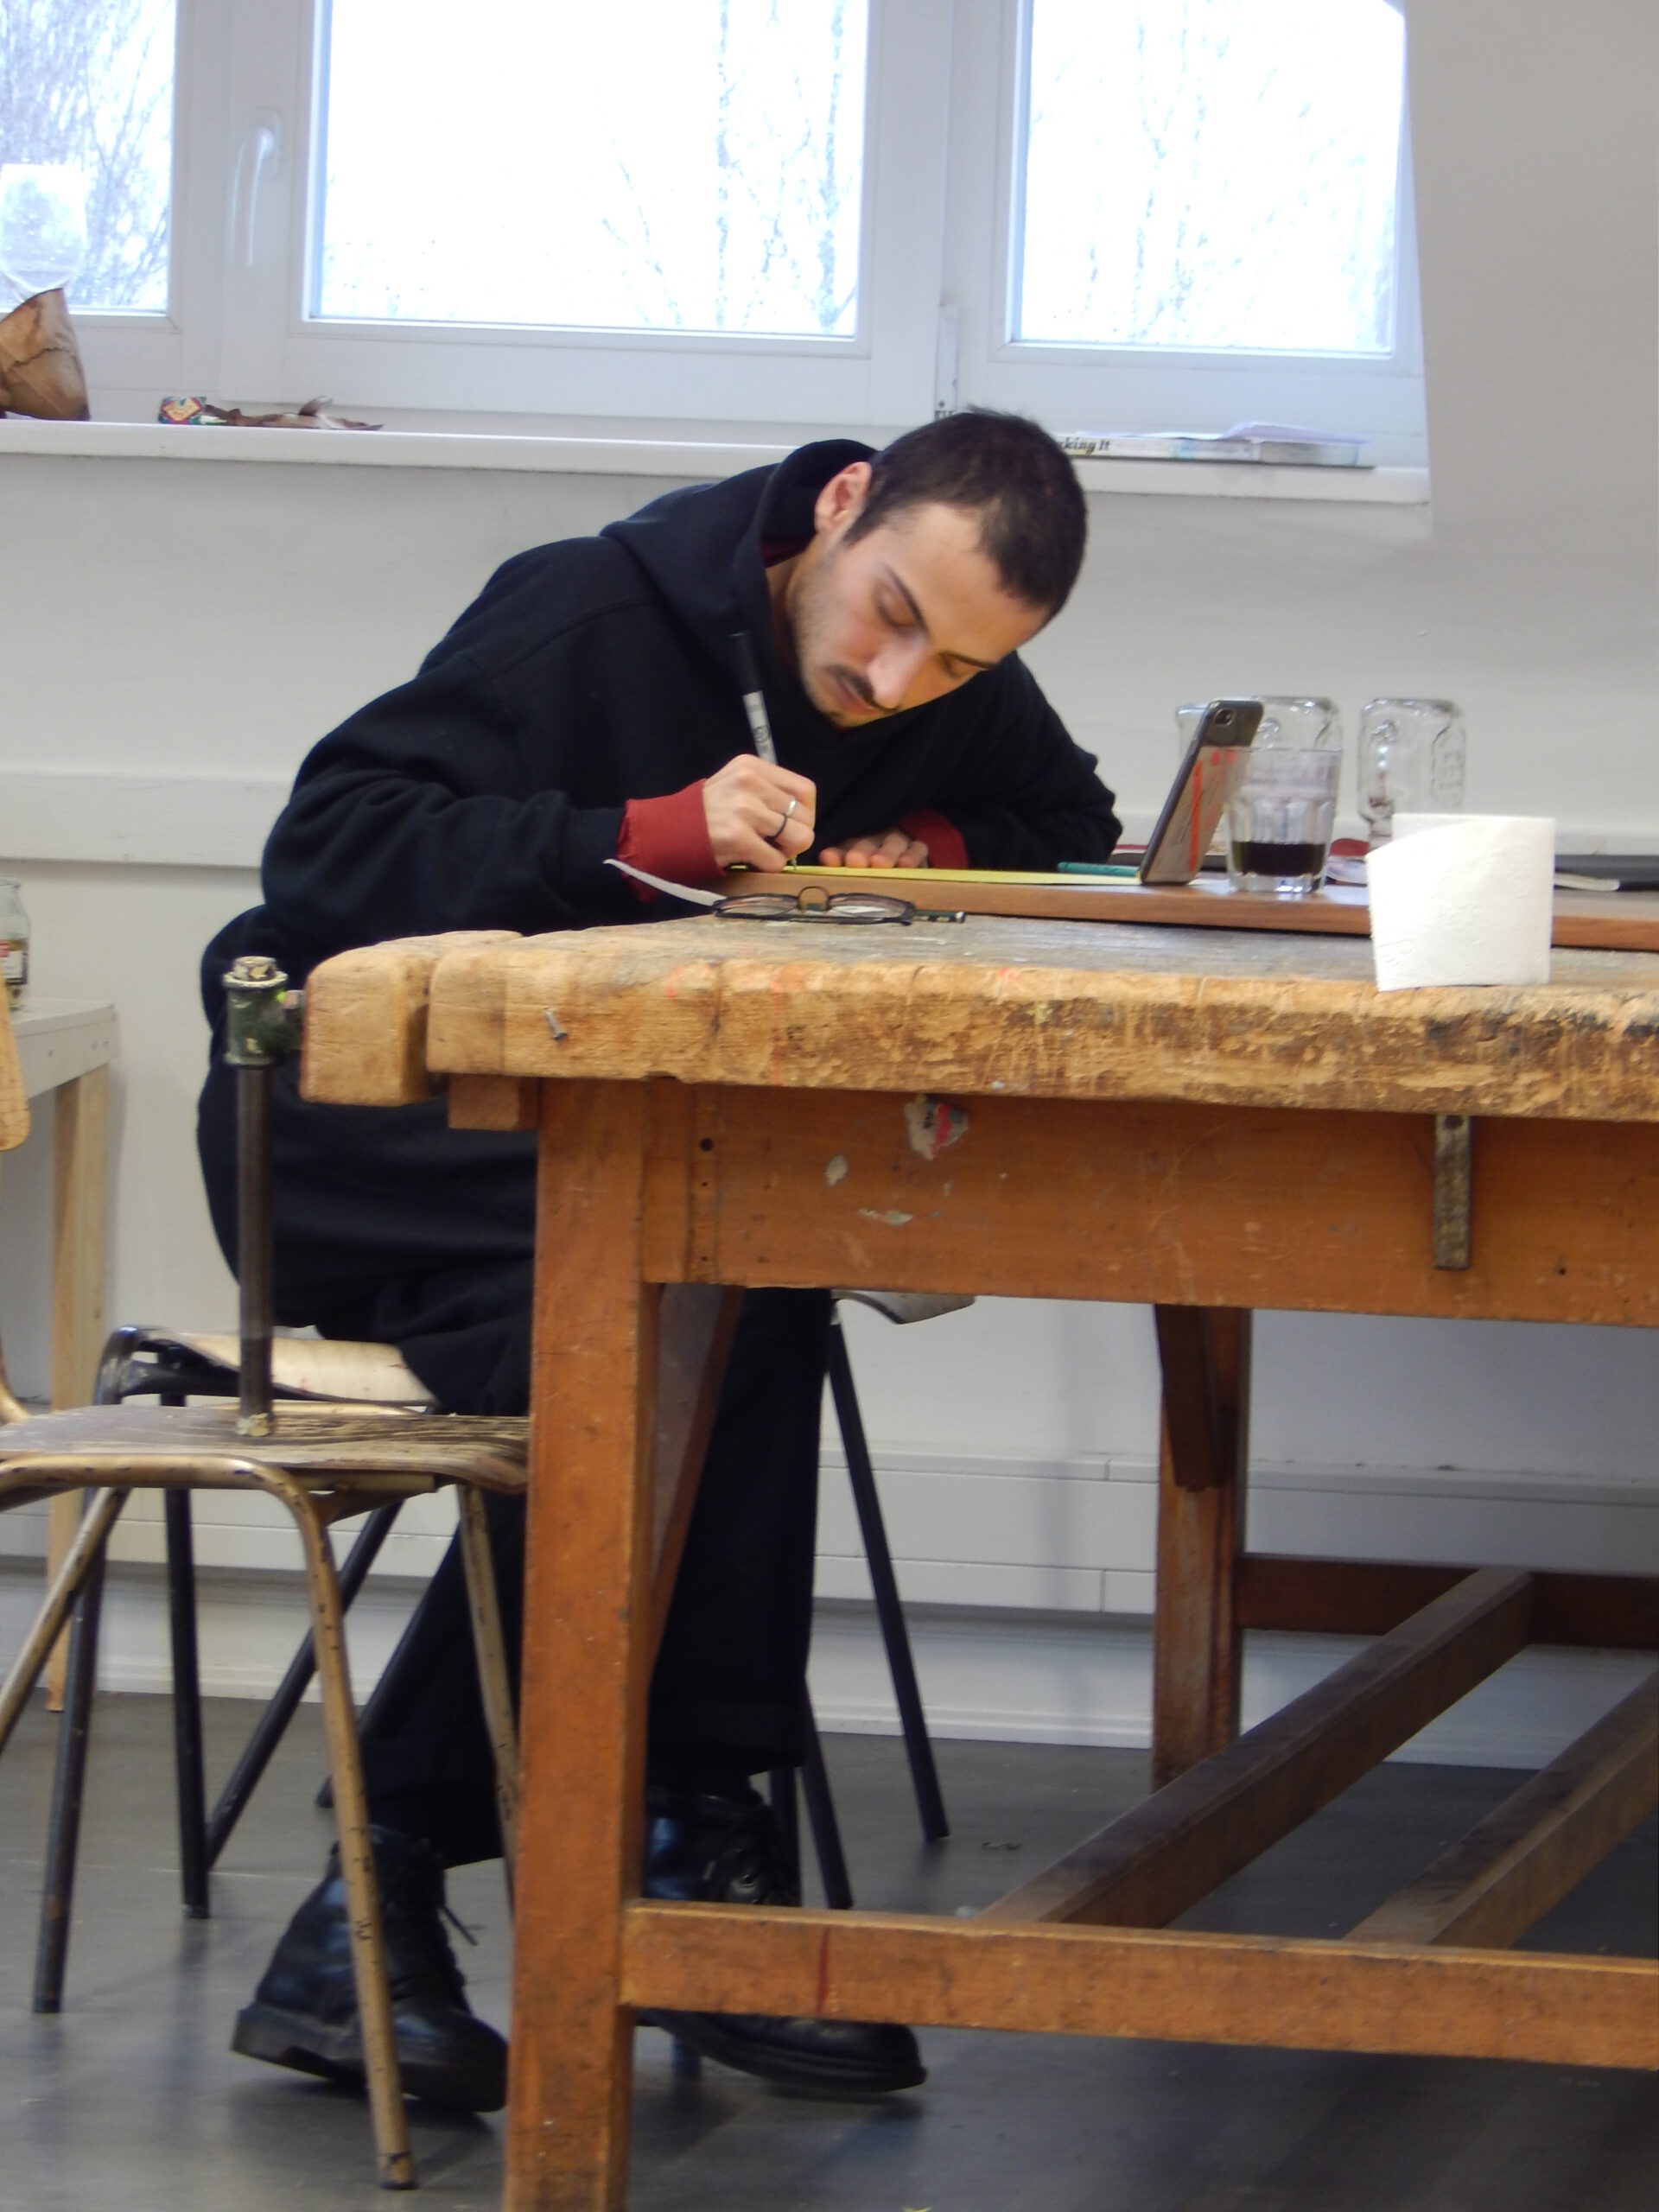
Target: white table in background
x: 64, y: 1047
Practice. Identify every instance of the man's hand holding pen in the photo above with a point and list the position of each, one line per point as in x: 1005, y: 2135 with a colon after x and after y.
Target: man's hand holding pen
x: 759, y: 814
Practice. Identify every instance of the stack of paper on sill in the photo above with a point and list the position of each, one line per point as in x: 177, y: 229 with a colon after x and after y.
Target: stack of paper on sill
x: 1282, y: 442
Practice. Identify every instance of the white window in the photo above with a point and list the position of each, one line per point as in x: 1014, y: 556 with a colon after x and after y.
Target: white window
x: 805, y: 213
x: 638, y: 167
x: 1197, y: 215
x: 85, y: 151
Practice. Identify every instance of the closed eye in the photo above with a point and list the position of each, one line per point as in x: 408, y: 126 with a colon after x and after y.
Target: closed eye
x: 895, y: 607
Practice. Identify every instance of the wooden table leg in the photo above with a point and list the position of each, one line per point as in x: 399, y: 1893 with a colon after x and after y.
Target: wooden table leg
x: 586, y: 1660
x: 80, y: 1244
x: 1203, y: 1461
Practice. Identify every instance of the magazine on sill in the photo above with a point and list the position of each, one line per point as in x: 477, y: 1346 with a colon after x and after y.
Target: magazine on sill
x: 1285, y: 443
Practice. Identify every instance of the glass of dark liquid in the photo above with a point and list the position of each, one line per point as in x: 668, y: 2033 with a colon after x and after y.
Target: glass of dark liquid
x: 1281, y: 815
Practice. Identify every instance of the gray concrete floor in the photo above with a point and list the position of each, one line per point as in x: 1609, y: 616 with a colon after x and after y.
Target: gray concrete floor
x: 130, y: 2099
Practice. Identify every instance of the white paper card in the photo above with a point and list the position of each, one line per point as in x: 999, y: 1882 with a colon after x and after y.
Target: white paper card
x: 1462, y: 899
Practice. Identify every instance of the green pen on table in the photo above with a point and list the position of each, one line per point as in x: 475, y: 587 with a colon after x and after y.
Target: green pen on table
x: 1098, y: 867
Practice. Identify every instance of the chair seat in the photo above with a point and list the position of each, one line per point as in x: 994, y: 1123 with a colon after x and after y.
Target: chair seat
x: 313, y: 1367
x: 138, y: 1443
x: 909, y: 1305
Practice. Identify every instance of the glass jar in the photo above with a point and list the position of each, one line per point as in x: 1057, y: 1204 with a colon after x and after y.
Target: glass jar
x: 14, y: 940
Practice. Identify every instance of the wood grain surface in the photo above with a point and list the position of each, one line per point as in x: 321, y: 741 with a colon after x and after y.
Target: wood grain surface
x: 586, y: 1662
x: 1355, y: 1597
x: 1142, y: 1202
x: 1040, y: 1009
x: 1175, y: 1847
x: 1609, y: 920
x: 1300, y: 1994
x: 1540, y: 1842
x: 366, y: 1025
x: 310, y: 1440
x: 1204, y: 1356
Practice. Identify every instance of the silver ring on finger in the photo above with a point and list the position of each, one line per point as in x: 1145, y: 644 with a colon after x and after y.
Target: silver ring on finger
x: 783, y: 824
x: 790, y: 808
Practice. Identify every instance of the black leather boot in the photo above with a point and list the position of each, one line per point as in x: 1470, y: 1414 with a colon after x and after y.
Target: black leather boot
x: 304, y: 2011
x: 727, y: 1851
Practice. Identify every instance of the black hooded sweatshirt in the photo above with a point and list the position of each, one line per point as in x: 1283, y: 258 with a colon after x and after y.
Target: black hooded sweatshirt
x: 488, y: 793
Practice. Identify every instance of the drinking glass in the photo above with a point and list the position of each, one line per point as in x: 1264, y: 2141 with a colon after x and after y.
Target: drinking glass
x: 1309, y: 723
x: 1412, y: 754
x: 1286, y: 721
x: 1281, y: 815
x: 42, y: 224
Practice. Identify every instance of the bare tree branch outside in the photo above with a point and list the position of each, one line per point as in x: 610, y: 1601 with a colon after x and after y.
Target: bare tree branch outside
x: 692, y: 168
x: 1205, y: 174
x: 89, y: 83
x: 1212, y: 173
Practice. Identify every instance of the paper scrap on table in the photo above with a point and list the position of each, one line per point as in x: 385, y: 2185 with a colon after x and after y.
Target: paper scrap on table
x: 1462, y: 899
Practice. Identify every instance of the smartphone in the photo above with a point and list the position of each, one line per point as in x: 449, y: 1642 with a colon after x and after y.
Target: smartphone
x: 1179, y: 841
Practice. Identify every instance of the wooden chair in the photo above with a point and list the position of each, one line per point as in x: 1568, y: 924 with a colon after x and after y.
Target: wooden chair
x: 351, y: 1430
x: 174, y: 1364
x: 325, y: 1463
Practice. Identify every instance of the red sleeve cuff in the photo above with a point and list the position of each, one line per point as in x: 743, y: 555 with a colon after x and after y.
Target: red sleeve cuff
x: 668, y: 837
x: 943, y: 839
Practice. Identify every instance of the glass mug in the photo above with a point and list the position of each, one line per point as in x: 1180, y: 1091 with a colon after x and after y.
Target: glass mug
x: 1281, y: 814
x: 1412, y: 756
x: 1285, y: 722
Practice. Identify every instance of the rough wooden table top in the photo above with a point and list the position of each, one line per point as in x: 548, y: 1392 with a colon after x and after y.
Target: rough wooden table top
x: 1612, y: 920
x: 1031, y: 1008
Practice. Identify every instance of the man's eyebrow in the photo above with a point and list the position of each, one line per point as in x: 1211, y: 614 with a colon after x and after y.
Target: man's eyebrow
x: 909, y: 598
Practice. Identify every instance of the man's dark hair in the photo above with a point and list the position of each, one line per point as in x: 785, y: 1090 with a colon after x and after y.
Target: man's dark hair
x: 1009, y: 471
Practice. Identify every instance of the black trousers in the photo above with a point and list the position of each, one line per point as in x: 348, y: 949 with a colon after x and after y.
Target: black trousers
x: 392, y: 1226
x: 730, y: 1677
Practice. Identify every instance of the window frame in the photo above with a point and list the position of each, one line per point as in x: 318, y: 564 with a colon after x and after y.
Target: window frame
x: 1144, y: 387
x: 274, y: 346
x: 936, y: 305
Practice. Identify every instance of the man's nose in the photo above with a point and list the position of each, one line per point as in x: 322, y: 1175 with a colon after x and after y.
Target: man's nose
x: 894, y: 670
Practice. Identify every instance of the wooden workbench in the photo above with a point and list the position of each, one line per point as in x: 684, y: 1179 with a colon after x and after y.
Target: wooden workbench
x: 1202, y: 1119
x: 1608, y: 921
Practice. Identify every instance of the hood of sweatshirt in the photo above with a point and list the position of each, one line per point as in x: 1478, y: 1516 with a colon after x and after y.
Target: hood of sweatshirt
x: 703, y: 550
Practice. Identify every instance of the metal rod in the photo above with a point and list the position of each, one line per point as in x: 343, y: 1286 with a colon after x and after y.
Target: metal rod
x: 188, y: 1761
x: 254, y: 1261
x: 68, y: 1792
x: 821, y: 1818
x: 273, y: 1722
x: 1454, y: 1190
x: 786, y: 1811
x: 919, y: 1749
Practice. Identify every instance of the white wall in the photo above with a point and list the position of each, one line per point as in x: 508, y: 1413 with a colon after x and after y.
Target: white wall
x: 205, y: 621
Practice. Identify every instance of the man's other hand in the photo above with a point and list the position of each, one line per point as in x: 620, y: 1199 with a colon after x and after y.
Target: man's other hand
x: 886, y: 848
x: 759, y: 814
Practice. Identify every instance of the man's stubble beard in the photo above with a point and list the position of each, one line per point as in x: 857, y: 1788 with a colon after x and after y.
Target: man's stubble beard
x: 818, y: 677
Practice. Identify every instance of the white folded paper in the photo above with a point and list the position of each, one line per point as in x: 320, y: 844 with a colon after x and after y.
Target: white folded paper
x: 1462, y: 899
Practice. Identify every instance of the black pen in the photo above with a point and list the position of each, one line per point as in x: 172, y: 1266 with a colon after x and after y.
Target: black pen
x: 754, y: 704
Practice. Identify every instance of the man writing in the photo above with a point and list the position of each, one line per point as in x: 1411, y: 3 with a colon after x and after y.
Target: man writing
x: 587, y: 708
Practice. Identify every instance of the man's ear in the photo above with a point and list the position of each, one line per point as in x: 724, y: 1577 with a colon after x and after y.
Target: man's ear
x: 841, y: 500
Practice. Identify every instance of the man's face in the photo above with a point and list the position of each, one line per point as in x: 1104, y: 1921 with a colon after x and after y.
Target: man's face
x: 892, y: 620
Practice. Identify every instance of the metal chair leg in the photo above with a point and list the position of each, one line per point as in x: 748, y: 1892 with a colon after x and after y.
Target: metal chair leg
x: 821, y: 1818
x: 188, y: 1761
x: 356, y: 1848
x: 68, y: 1790
x: 97, y: 1521
x: 919, y: 1749
x: 786, y: 1811
x: 272, y: 1724
x: 494, y: 1679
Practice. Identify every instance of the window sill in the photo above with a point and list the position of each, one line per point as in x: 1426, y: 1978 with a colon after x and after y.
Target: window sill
x: 693, y: 460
